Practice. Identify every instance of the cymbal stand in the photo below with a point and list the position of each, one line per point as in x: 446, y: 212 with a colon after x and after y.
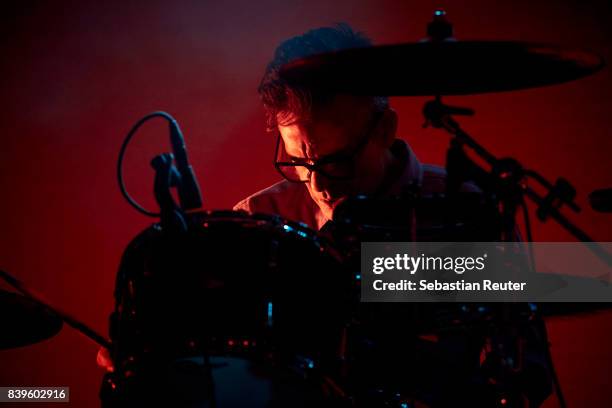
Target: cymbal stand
x: 506, y: 181
x: 506, y: 184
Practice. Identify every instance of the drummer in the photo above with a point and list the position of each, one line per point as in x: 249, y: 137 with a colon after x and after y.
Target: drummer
x: 332, y: 146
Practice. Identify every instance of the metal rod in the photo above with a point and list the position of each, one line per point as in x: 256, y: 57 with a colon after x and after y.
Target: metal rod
x: 65, y: 317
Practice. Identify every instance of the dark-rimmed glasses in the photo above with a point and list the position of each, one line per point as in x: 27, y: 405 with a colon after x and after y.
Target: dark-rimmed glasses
x: 336, y: 166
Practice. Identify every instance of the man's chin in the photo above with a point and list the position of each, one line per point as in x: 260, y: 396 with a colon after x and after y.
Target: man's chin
x: 328, y: 207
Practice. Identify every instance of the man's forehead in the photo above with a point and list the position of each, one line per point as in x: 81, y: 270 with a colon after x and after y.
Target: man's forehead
x: 341, y: 110
x: 327, y: 129
x: 312, y: 140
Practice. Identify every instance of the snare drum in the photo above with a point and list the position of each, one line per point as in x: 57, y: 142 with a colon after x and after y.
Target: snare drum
x: 240, y: 310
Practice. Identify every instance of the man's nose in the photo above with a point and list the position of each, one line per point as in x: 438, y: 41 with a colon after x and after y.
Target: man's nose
x: 319, y: 183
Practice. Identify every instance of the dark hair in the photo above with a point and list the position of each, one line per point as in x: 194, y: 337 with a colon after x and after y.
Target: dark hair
x: 279, y: 96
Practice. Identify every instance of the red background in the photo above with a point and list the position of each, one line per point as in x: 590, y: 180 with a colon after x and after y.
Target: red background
x: 75, y: 76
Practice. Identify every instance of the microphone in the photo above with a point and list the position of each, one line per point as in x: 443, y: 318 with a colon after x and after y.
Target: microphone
x: 601, y: 200
x: 188, y: 188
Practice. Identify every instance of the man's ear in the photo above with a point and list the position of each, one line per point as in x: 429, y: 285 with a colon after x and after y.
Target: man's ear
x: 388, y: 127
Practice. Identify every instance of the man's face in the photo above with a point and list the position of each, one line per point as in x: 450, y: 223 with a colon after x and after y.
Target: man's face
x: 338, y: 128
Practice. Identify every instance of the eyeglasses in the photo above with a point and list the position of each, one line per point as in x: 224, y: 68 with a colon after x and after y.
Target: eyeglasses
x: 337, y: 166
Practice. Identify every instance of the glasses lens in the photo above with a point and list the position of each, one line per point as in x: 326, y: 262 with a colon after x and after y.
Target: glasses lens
x: 335, y: 171
x: 340, y: 169
x: 294, y: 173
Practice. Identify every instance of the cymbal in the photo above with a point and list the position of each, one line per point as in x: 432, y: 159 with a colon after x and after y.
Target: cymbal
x: 24, y: 321
x: 442, y: 68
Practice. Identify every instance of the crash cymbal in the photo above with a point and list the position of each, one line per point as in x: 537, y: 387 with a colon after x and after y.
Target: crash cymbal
x: 442, y: 68
x: 24, y: 321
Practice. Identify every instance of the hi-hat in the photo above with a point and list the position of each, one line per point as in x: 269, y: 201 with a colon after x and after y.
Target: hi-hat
x: 442, y: 68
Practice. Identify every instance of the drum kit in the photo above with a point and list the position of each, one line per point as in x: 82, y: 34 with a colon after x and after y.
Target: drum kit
x: 229, y: 309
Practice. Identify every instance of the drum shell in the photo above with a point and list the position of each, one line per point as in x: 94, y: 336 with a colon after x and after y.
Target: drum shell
x: 231, y: 280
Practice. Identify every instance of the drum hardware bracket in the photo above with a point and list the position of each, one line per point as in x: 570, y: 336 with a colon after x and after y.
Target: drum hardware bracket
x: 166, y: 176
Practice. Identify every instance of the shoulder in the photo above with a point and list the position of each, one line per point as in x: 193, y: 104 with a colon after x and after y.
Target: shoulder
x: 288, y: 200
x: 275, y: 199
x: 434, y: 181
